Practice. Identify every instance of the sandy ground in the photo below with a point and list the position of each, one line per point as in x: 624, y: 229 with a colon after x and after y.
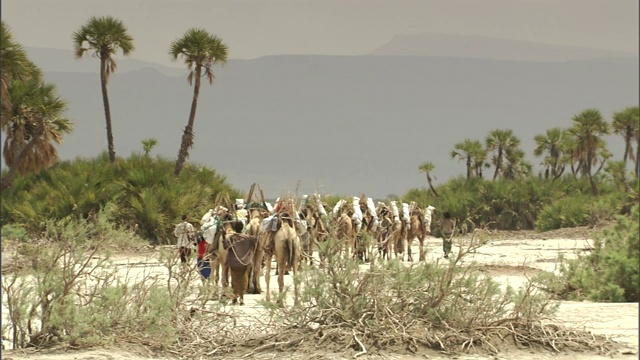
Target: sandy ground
x: 509, y: 258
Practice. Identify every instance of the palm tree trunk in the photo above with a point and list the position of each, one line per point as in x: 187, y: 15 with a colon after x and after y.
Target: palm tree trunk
x: 107, y: 109
x: 638, y: 159
x: 468, y: 167
x: 7, y: 181
x: 587, y: 167
x: 627, y: 147
x: 431, y: 186
x: 187, y: 136
x: 498, y: 164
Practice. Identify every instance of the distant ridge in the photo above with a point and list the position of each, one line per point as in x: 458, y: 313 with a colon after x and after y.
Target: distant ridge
x: 60, y: 60
x: 468, y: 46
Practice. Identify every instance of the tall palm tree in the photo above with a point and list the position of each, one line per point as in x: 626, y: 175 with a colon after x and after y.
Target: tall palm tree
x: 500, y: 141
x: 550, y: 145
x: 589, y: 127
x: 471, y: 152
x: 104, y: 36
x: 427, y: 168
x: 200, y: 51
x: 14, y: 65
x: 627, y: 124
x: 37, y: 122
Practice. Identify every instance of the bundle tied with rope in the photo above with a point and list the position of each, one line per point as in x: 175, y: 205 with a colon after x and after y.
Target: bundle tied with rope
x: 241, y: 248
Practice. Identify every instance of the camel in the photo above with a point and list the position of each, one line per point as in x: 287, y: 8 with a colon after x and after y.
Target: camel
x: 254, y: 228
x: 392, y: 234
x: 220, y: 271
x: 384, y: 230
x: 418, y: 230
x: 398, y: 238
x: 285, y: 245
x: 316, y: 230
x: 345, y: 233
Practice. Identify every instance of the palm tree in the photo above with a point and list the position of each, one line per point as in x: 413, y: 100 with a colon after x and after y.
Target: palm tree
x: 14, y: 65
x: 570, y: 153
x: 36, y: 124
x: 551, y: 145
x: 500, y: 141
x: 105, y: 36
x: 627, y: 124
x: 516, y: 165
x: 427, y: 168
x: 200, y: 52
x: 149, y: 144
x: 588, y: 128
x: 471, y: 152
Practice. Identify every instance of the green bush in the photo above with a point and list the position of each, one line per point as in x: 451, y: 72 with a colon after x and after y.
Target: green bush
x: 565, y: 212
x: 610, y: 272
x: 143, y: 192
x: 14, y: 232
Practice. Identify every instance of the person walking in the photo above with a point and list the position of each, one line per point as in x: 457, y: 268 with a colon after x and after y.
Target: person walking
x: 184, y: 232
x: 447, y: 225
x: 203, y: 262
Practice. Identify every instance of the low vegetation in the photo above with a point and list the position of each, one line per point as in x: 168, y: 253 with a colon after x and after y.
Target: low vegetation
x: 609, y: 272
x: 142, y: 191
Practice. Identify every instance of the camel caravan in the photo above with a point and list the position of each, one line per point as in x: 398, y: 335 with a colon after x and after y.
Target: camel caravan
x: 240, y: 240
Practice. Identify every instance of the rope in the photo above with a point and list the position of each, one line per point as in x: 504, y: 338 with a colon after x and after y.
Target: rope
x: 233, y: 248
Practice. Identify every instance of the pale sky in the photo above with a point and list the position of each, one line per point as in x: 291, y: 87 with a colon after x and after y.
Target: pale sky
x: 255, y: 28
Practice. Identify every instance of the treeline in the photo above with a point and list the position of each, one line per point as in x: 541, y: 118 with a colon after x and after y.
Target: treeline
x: 580, y: 183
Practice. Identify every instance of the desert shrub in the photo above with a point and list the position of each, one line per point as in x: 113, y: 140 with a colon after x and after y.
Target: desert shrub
x: 610, y: 272
x: 446, y: 306
x: 70, y: 292
x: 604, y: 208
x: 14, y: 232
x: 563, y: 213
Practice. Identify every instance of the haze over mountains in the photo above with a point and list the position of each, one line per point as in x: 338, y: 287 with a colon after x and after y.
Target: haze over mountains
x: 482, y: 47
x: 345, y: 124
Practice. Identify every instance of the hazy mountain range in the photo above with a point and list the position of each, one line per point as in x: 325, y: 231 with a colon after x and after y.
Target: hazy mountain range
x: 345, y: 124
x: 482, y: 47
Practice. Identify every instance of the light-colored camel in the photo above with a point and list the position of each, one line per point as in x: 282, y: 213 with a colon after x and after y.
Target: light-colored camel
x: 254, y: 228
x: 316, y: 230
x: 345, y: 233
x: 219, y: 270
x: 417, y: 231
x: 285, y: 245
x: 398, y: 238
